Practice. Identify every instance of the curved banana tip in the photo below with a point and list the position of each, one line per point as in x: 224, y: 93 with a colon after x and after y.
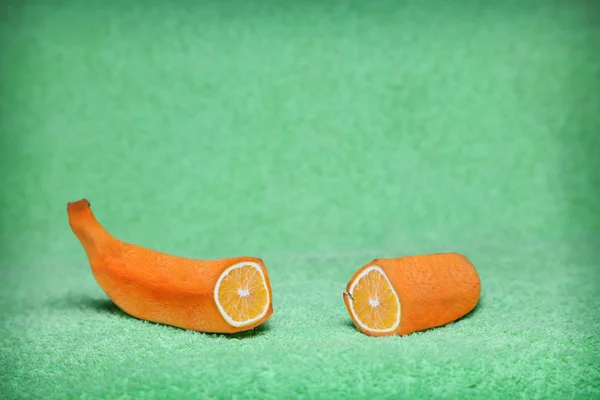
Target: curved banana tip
x: 78, y: 205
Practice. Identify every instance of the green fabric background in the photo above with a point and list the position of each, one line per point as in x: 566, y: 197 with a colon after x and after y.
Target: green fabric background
x: 318, y: 136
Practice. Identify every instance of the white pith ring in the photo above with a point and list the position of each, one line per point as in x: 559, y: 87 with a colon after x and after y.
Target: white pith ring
x: 227, y: 318
x: 351, y: 302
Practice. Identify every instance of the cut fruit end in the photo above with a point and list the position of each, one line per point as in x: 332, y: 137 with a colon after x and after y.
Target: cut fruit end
x: 373, y: 302
x: 242, y: 295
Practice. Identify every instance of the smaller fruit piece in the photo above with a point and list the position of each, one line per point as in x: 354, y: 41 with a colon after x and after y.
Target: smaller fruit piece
x: 227, y: 295
x: 399, y: 296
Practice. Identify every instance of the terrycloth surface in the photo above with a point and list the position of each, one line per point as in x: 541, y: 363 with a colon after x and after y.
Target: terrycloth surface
x: 317, y: 137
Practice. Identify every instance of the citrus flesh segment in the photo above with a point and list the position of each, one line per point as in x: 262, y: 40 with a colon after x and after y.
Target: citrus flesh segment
x: 241, y: 294
x: 374, y: 304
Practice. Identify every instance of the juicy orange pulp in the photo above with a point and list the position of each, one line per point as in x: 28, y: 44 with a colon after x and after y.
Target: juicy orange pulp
x: 374, y: 303
x: 241, y: 294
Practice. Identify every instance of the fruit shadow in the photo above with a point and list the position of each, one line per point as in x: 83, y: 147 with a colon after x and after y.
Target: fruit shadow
x: 474, y: 312
x: 108, y: 307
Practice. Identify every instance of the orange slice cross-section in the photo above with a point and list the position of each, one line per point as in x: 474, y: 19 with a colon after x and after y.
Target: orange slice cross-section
x: 241, y: 294
x: 373, y: 303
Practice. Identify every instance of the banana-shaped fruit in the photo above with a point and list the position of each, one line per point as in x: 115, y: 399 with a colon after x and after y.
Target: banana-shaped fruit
x: 220, y: 296
x: 403, y: 295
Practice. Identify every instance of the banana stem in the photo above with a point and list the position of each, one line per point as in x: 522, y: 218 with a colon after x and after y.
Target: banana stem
x: 88, y: 230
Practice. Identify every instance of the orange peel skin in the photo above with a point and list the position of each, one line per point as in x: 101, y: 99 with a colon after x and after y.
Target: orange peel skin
x: 172, y: 290
x: 432, y: 290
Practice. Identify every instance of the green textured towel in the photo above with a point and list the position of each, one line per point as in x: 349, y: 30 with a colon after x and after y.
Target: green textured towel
x: 317, y: 137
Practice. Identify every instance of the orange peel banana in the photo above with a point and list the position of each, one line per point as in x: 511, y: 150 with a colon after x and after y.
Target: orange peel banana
x: 400, y: 296
x: 226, y: 295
